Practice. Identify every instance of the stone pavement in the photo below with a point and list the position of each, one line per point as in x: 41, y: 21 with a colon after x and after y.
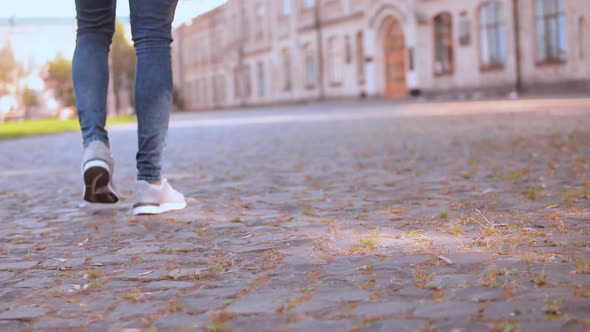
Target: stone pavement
x: 337, y: 217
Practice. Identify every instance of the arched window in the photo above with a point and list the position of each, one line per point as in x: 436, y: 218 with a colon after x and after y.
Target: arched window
x: 551, y: 35
x: 443, y: 44
x: 492, y: 34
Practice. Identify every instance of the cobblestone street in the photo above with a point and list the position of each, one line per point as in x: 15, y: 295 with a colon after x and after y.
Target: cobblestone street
x: 337, y: 217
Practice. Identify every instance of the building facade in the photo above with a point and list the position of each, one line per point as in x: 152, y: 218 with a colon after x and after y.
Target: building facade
x: 260, y: 52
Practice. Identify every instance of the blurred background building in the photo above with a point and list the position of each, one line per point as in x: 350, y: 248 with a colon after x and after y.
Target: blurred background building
x: 256, y: 52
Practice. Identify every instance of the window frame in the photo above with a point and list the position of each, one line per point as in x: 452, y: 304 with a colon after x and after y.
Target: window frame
x: 287, y: 70
x: 547, y: 20
x: 499, y: 26
x: 309, y: 61
x: 360, y: 56
x: 449, y: 40
x: 285, y: 8
x: 335, y: 62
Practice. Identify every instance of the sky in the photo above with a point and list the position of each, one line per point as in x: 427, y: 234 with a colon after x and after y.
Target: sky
x: 36, y: 45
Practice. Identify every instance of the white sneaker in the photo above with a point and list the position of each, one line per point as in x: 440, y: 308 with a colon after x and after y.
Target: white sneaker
x: 156, y: 199
x: 97, y: 169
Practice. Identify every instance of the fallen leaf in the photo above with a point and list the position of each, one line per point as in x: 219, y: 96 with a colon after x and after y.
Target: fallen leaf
x: 447, y: 260
x: 83, y: 242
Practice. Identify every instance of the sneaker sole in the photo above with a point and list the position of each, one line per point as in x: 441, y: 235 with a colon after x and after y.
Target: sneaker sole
x: 158, y: 209
x: 97, y: 183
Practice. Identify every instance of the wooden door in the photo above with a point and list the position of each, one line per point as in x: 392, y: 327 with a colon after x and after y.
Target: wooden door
x: 395, y: 62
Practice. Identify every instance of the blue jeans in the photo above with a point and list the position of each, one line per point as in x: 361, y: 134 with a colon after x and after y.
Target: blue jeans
x: 151, y: 22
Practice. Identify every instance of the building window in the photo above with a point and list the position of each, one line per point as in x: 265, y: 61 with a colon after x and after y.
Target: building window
x: 360, y: 56
x: 218, y: 84
x: 242, y: 82
x: 551, y: 35
x: 309, y: 3
x: 464, y: 33
x: 335, y: 60
x: 348, y: 50
x: 246, y: 79
x: 259, y: 20
x: 443, y: 44
x: 245, y: 25
x: 287, y: 75
x: 492, y: 32
x: 310, y: 68
x: 582, y: 36
x: 237, y: 85
x: 261, y: 80
x: 286, y: 9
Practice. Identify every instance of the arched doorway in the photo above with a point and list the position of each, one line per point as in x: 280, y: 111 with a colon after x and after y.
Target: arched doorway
x: 395, y: 60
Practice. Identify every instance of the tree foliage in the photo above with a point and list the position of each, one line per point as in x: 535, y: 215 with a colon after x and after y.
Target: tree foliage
x: 8, y: 63
x: 58, y: 76
x: 123, y: 62
x: 29, y: 97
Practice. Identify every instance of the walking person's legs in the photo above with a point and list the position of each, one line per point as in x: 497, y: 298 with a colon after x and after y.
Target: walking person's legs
x: 151, y: 26
x: 96, y: 26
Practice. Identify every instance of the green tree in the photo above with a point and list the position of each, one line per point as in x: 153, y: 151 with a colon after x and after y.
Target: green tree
x: 29, y: 100
x: 123, y: 63
x: 58, y: 76
x: 8, y: 64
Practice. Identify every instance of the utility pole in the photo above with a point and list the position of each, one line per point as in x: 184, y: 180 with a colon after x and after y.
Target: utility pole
x: 320, y: 45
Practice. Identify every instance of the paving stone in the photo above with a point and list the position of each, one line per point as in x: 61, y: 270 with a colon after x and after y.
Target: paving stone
x: 54, y: 324
x: 466, y: 258
x: 378, y: 170
x: 321, y: 325
x: 401, y: 325
x: 261, y: 301
x: 217, y: 292
x: 513, y: 310
x: 202, y: 304
x: 262, y: 323
x: 187, y: 272
x: 459, y: 325
x: 474, y: 294
x: 142, y: 275
x: 23, y: 313
x: 180, y: 322
x: 384, y: 308
x: 11, y: 325
x: 138, y: 250
x: 35, y: 283
x: 110, y: 259
x: 169, y: 284
x: 551, y: 326
x: 18, y: 265
x: 137, y: 309
x: 455, y: 280
x: 63, y: 263
x: 6, y: 276
x: 446, y: 310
